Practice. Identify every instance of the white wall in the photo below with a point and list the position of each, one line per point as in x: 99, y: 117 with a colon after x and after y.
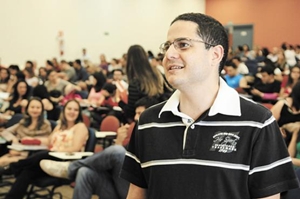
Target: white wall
x: 28, y: 28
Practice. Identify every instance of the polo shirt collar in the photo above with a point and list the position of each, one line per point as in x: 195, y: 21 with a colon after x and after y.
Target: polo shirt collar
x: 227, y: 102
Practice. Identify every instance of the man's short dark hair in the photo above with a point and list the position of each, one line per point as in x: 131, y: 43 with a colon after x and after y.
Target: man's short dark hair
x: 118, y: 69
x: 63, y: 62
x: 267, y: 69
x: 237, y: 58
x: 146, y: 102
x: 50, y: 63
x: 210, y: 31
x: 14, y: 67
x: 230, y: 64
x: 50, y: 71
x: 78, y: 61
x: 30, y: 63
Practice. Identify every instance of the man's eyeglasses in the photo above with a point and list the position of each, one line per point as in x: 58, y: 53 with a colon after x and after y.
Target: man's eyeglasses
x: 180, y: 44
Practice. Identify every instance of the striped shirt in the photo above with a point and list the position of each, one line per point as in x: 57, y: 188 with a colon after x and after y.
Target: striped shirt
x: 233, y: 151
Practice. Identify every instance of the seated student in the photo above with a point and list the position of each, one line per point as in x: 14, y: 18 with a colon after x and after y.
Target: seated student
x: 107, y: 99
x: 67, y: 73
x: 241, y: 66
x: 21, y: 92
x: 55, y: 86
x: 97, y: 81
x: 109, y: 95
x: 4, y: 79
x: 267, y: 89
x: 13, y: 70
x: 70, y: 135
x: 41, y: 92
x: 122, y: 86
x: 70, y: 93
x: 33, y: 127
x: 30, y: 77
x: 233, y: 78
x: 287, y: 112
x: 42, y: 75
x: 289, y: 82
x: 99, y: 173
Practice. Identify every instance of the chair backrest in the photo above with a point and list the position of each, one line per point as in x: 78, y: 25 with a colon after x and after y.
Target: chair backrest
x: 53, y: 124
x: 91, y: 142
x: 86, y: 120
x: 110, y: 123
x: 267, y: 105
x: 252, y: 66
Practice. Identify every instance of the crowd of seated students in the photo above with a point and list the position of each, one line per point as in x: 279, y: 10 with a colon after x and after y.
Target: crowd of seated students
x: 33, y: 127
x: 269, y: 75
x: 69, y: 135
x: 43, y: 93
x: 122, y: 83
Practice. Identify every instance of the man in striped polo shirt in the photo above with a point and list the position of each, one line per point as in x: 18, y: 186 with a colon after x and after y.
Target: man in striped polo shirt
x: 205, y: 141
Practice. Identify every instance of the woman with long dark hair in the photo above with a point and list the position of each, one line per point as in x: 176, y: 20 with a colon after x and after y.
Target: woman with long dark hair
x: 288, y: 84
x: 287, y: 113
x: 143, y: 80
x: 21, y: 91
x: 32, y: 127
x: 4, y: 79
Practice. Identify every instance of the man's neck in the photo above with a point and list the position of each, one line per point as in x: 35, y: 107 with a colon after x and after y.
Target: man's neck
x: 196, y: 101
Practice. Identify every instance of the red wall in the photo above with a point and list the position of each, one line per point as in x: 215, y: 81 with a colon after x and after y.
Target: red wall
x: 275, y: 21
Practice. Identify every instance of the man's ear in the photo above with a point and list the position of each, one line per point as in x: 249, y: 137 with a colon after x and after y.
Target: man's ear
x: 218, y: 53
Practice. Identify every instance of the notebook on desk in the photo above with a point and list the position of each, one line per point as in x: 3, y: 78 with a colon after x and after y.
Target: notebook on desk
x: 4, y: 95
x: 70, y: 156
x: 21, y: 147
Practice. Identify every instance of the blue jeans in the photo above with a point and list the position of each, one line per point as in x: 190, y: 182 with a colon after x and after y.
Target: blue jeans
x: 99, y: 174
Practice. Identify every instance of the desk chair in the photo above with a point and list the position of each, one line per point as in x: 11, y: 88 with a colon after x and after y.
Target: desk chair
x: 44, y: 183
x: 109, y: 123
x: 86, y: 120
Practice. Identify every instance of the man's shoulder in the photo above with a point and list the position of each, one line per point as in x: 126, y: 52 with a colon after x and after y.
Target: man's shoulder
x: 152, y: 112
x: 155, y: 108
x: 70, y: 70
x: 253, y: 110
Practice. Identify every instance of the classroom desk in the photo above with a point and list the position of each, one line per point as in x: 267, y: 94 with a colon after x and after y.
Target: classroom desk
x: 70, y: 156
x: 21, y: 147
x: 105, y: 136
x: 4, y: 95
x: 2, y: 140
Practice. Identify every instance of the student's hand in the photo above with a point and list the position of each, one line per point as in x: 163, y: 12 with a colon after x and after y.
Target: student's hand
x: 14, y: 153
x: 24, y: 103
x: 15, y: 141
x: 283, y: 132
x: 256, y: 92
x: 122, y: 134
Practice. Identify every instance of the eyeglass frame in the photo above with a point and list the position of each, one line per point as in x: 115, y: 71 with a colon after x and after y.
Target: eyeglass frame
x: 180, y: 39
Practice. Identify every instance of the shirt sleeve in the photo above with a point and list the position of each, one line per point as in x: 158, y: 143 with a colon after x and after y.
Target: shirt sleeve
x: 132, y: 170
x: 10, y: 133
x: 271, y: 169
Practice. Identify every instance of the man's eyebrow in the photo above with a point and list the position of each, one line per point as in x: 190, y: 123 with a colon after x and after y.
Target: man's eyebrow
x: 180, y: 38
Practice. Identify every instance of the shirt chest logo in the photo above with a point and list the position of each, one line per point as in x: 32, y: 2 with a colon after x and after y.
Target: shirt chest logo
x: 225, y: 142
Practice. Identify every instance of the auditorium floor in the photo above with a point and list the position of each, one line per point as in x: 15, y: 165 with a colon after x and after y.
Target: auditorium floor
x: 65, y: 190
